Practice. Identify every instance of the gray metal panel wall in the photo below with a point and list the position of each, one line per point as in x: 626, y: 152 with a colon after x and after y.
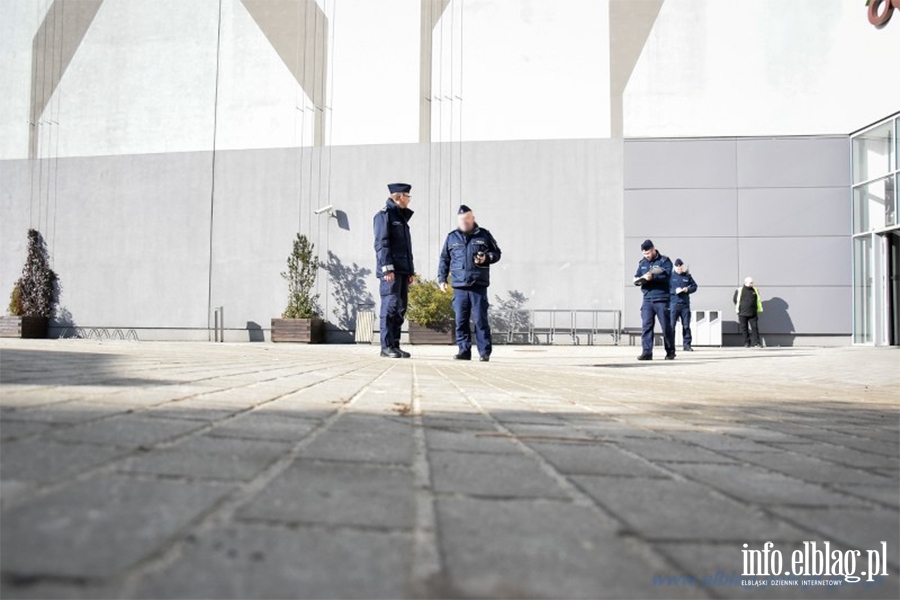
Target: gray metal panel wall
x: 134, y: 233
x: 773, y: 208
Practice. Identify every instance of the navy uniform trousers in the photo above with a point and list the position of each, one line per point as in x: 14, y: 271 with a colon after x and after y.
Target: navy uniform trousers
x: 656, y: 309
x: 680, y: 310
x: 472, y: 302
x: 394, y: 296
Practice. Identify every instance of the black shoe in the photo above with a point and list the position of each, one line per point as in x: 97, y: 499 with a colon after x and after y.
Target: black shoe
x: 670, y: 356
x: 403, y: 353
x: 485, y: 358
x: 462, y: 356
x: 688, y: 349
x: 645, y: 357
x: 746, y: 345
x: 391, y: 353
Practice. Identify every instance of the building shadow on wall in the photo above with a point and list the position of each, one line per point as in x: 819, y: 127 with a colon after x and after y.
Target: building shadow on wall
x: 775, y: 323
x: 348, y: 290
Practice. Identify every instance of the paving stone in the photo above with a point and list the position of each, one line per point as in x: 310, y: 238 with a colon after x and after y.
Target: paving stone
x: 367, y: 439
x: 500, y: 475
x: 665, y: 509
x: 671, y: 451
x: 861, y: 528
x: 127, y: 430
x: 808, y: 468
x: 492, y: 442
x: 243, y: 561
x: 527, y: 549
x: 761, y: 487
x: 888, y: 493
x: 99, y: 527
x: 65, y: 412
x: 47, y: 461
x: 11, y: 430
x: 800, y: 445
x: 264, y: 426
x: 208, y: 457
x: 338, y: 494
x: 593, y: 458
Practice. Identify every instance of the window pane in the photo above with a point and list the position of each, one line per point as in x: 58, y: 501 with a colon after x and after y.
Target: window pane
x: 863, y: 299
x: 875, y: 205
x: 873, y: 153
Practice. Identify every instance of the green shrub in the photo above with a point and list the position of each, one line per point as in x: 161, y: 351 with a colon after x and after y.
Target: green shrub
x: 303, y: 267
x: 15, y: 302
x: 429, y: 306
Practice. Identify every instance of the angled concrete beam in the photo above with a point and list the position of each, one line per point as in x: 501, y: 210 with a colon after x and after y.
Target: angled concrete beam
x: 298, y: 31
x: 432, y: 11
x: 52, y: 48
x: 630, y: 23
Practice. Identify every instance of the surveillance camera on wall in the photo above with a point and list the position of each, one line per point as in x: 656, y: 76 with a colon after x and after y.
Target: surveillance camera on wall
x: 325, y: 210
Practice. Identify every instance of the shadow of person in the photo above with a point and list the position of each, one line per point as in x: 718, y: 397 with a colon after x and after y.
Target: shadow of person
x: 349, y: 289
x: 775, y: 323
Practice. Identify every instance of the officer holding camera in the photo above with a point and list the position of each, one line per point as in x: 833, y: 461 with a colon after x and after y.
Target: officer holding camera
x: 468, y: 253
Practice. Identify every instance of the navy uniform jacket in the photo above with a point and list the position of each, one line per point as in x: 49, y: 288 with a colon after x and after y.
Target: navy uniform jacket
x: 393, y: 244
x: 683, y: 280
x: 658, y: 287
x: 458, y: 258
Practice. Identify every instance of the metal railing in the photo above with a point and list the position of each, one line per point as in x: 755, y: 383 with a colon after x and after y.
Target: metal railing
x: 550, y: 326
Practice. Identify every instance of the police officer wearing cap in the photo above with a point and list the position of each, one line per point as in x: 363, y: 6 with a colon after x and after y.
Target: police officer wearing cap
x: 681, y: 286
x: 466, y: 259
x: 653, y: 274
x: 394, y: 265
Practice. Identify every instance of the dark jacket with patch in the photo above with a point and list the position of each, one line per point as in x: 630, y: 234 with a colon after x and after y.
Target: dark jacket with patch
x: 458, y: 258
x: 682, y: 280
x: 658, y: 287
x: 393, y: 244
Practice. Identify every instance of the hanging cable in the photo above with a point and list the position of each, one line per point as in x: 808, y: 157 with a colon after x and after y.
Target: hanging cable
x: 212, y: 187
x: 59, y: 89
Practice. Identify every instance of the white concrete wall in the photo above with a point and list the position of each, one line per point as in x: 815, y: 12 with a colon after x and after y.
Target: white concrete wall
x: 762, y: 67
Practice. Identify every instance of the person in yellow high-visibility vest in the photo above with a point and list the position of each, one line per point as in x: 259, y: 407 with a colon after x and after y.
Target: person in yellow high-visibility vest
x: 748, y: 304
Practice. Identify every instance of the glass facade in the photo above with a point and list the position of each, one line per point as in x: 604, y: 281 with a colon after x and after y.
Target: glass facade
x: 876, y: 184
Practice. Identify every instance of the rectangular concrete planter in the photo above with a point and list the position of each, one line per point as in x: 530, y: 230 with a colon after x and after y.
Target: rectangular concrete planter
x: 24, y: 327
x: 421, y: 334
x: 310, y: 331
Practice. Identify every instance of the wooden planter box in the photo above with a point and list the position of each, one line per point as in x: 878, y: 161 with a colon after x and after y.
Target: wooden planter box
x: 310, y: 331
x: 24, y: 327
x: 421, y: 334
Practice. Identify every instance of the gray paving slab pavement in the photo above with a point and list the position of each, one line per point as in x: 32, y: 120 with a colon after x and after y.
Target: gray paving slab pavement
x: 200, y: 470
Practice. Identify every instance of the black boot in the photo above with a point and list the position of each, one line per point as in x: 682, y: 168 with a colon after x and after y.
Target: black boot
x: 463, y: 356
x: 485, y: 358
x: 403, y: 353
x: 645, y: 357
x: 391, y: 353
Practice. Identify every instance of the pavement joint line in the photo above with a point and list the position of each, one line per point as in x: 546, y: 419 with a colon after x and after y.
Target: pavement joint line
x: 140, y: 410
x: 671, y: 474
x: 739, y: 460
x: 223, y: 511
x: 578, y: 496
x: 124, y: 390
x: 115, y: 463
x: 406, y: 532
x: 161, y: 383
x: 427, y: 565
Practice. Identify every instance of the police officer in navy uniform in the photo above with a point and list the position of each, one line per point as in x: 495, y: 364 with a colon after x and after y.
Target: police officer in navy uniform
x: 681, y: 286
x: 466, y: 258
x: 653, y: 274
x: 394, y: 265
